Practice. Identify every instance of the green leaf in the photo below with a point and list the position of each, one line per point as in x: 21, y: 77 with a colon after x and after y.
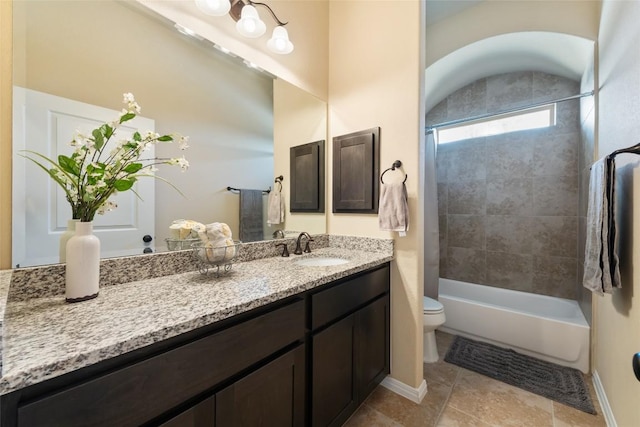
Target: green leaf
x: 127, y: 117
x: 133, y: 167
x: 55, y: 165
x: 99, y: 139
x: 137, y: 137
x: 124, y: 184
x: 68, y: 165
x: 108, y: 131
x: 165, y: 138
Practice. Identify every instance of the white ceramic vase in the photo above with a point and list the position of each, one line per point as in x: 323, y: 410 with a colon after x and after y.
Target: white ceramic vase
x: 64, y: 238
x: 82, y: 276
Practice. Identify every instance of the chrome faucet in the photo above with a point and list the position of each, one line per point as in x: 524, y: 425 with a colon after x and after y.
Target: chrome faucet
x: 278, y: 233
x: 298, y: 250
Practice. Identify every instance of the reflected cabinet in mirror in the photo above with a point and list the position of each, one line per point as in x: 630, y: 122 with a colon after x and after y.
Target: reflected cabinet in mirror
x: 87, y: 54
x: 307, y: 177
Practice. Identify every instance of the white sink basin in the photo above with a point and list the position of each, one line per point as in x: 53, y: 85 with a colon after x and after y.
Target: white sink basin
x: 321, y: 261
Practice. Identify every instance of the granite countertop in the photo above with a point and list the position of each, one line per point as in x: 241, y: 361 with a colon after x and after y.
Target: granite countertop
x: 46, y: 337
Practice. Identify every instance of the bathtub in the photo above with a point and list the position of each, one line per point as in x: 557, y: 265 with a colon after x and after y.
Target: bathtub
x: 548, y: 328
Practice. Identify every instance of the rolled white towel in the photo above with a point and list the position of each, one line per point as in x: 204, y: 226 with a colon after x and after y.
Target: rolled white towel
x: 184, y: 229
x: 218, y: 230
x: 219, y: 250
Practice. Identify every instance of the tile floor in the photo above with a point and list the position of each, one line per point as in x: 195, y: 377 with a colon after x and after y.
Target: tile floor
x: 457, y: 397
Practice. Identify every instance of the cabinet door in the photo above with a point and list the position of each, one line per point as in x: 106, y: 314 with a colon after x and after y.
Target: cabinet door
x: 307, y: 177
x: 274, y: 395
x: 201, y: 415
x: 333, y: 391
x: 372, y: 344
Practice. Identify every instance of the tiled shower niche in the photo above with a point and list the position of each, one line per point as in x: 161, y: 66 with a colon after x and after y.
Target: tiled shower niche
x: 508, y: 204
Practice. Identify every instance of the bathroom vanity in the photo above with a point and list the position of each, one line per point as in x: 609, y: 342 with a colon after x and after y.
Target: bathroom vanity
x: 272, y: 343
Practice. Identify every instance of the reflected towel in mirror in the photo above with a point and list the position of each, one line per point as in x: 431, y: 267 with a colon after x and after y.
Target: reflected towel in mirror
x: 251, y: 215
x: 275, y: 207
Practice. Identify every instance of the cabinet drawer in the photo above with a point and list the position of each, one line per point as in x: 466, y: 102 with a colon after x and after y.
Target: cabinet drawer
x: 345, y: 297
x: 141, y: 391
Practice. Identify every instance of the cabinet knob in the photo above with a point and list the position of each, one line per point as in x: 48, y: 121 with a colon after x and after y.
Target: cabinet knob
x: 147, y: 238
x: 147, y: 251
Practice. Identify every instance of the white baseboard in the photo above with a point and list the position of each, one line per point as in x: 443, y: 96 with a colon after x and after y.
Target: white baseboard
x: 398, y: 387
x: 604, y: 402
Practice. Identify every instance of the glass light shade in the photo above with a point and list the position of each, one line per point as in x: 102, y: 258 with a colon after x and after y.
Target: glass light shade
x: 279, y: 41
x: 250, y: 24
x: 214, y: 7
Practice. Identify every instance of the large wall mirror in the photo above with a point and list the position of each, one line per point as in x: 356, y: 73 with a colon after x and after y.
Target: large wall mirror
x: 240, y: 121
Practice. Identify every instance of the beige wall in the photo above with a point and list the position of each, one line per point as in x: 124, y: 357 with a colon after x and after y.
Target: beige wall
x: 225, y: 108
x: 5, y: 132
x: 617, y: 316
x: 375, y: 76
x: 490, y: 18
x: 306, y: 67
x: 299, y: 118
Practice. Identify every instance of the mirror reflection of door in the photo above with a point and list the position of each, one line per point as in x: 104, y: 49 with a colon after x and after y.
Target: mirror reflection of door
x: 46, y: 124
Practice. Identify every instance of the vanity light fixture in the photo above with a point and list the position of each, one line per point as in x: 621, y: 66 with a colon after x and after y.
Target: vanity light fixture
x: 248, y: 22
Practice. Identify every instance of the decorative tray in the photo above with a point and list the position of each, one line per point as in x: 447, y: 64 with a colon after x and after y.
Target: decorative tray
x: 221, y: 258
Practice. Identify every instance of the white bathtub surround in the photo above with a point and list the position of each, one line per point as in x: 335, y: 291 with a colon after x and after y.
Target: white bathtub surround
x: 549, y: 328
x: 82, y: 274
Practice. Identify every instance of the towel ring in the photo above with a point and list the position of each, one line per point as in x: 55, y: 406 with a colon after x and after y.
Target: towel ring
x: 279, y: 180
x: 393, y: 167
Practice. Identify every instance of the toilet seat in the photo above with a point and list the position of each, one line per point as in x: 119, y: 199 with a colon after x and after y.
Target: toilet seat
x: 431, y: 306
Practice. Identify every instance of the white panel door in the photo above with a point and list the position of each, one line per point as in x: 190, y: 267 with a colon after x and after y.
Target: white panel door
x: 46, y: 124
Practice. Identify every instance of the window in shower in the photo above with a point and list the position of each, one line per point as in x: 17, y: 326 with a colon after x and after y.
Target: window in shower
x: 532, y: 118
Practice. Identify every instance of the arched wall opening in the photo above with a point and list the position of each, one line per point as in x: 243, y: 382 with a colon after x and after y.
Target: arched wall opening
x: 499, y: 195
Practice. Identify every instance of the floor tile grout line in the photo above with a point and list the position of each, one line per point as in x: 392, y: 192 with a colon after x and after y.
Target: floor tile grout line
x: 446, y: 402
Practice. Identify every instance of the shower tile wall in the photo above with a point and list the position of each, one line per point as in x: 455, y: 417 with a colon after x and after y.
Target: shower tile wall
x: 508, y: 204
x: 585, y: 159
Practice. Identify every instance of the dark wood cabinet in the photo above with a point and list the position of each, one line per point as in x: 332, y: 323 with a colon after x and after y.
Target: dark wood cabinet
x: 372, y: 346
x: 356, y: 171
x: 273, y: 395
x: 308, y: 360
x: 333, y: 374
x: 350, y: 348
x: 307, y: 177
x: 200, y: 415
x: 149, y: 388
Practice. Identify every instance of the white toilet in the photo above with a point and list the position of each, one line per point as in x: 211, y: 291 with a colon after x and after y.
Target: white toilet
x: 432, y: 318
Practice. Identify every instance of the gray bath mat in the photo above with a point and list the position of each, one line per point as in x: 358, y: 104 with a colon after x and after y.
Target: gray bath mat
x: 559, y: 383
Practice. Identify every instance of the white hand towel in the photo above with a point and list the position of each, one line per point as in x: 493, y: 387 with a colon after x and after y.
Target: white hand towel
x: 393, y: 210
x: 275, y: 207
